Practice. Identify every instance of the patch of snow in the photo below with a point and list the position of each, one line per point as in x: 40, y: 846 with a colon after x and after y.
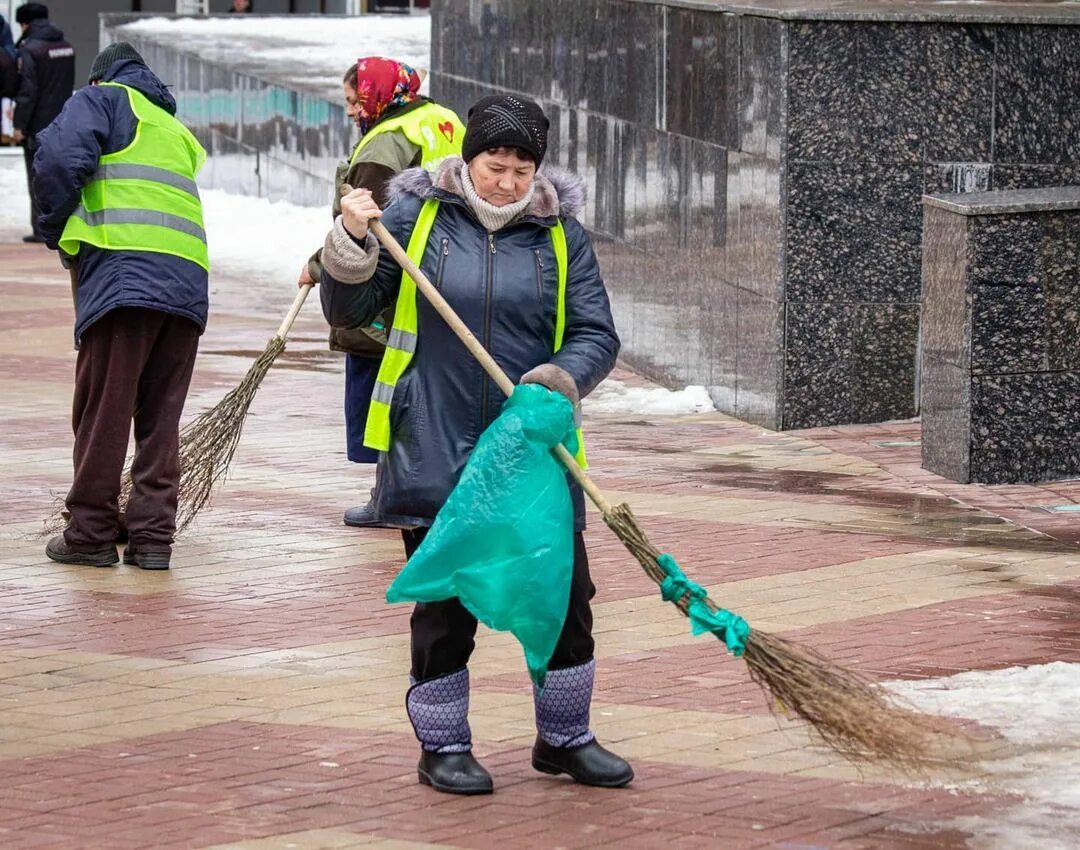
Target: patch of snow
x: 1037, y: 709
x: 261, y: 240
x: 616, y: 397
x: 308, y: 52
x: 15, y: 209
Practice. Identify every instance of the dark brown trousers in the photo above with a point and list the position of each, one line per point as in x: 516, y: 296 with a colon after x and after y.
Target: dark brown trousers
x: 133, y: 365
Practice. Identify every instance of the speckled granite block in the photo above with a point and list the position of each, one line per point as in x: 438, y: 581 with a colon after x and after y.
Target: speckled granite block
x: 853, y: 232
x: 959, y: 96
x: 1024, y: 427
x: 1036, y: 95
x: 848, y: 363
x: 1001, y: 324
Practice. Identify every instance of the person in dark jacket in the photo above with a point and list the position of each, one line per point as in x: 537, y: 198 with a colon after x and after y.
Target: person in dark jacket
x: 383, y: 99
x: 46, y: 80
x: 492, y: 250
x: 115, y: 177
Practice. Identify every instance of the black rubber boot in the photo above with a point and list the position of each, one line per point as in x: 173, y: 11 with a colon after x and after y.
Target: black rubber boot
x: 454, y: 773
x: 588, y: 764
x: 155, y: 560
x: 59, y: 550
x: 439, y: 712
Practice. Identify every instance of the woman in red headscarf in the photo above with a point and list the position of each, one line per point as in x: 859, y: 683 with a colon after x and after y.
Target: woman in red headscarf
x: 399, y: 128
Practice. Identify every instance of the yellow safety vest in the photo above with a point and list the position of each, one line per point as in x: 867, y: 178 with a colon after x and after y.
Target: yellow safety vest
x: 436, y: 130
x: 401, y: 344
x: 144, y: 197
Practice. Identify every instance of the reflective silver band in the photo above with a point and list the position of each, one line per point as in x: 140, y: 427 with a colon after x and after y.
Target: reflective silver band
x: 577, y: 415
x: 159, y: 219
x: 383, y: 393
x: 402, y: 340
x: 124, y: 171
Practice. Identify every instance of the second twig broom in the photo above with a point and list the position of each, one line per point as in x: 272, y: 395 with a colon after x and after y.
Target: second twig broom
x: 208, y: 442
x: 850, y: 714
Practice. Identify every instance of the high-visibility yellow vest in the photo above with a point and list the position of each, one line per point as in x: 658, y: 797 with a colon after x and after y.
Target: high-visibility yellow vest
x: 401, y: 344
x: 144, y: 197
x: 436, y: 130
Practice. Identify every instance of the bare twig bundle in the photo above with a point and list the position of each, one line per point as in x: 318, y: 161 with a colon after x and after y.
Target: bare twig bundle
x: 208, y: 443
x: 849, y: 714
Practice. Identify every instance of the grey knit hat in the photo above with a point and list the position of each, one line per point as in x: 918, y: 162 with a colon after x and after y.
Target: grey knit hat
x: 113, y: 53
x: 505, y: 121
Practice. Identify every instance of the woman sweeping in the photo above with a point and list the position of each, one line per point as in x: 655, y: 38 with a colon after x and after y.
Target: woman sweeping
x: 500, y: 242
x: 399, y: 129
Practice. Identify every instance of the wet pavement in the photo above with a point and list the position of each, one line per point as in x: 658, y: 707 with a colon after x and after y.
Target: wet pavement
x: 253, y: 695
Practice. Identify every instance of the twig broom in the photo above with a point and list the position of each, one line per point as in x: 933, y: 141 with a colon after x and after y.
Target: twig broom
x: 850, y: 714
x: 208, y: 442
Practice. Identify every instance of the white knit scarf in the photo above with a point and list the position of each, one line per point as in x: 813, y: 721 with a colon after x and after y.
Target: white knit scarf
x: 492, y: 217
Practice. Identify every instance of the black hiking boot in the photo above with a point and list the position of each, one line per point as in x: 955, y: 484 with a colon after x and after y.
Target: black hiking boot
x: 97, y: 555
x: 153, y: 560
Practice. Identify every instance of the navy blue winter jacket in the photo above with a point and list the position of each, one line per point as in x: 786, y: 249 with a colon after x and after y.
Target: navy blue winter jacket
x: 98, y: 120
x: 46, y: 77
x: 505, y: 289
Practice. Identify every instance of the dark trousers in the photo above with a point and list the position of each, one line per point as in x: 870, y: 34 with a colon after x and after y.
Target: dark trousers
x: 28, y: 157
x: 443, y: 633
x: 133, y: 364
x: 360, y: 375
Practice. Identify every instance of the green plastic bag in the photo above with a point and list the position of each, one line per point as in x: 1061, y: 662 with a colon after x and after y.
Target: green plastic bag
x: 504, y: 541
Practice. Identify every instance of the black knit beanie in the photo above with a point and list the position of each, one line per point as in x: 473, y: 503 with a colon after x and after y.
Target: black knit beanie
x: 113, y: 53
x: 504, y: 120
x: 29, y: 12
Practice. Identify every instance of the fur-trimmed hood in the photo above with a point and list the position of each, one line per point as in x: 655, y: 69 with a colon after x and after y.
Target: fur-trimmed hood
x: 558, y: 192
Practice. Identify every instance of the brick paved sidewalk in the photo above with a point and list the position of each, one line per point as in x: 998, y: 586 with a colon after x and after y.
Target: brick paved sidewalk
x: 253, y: 695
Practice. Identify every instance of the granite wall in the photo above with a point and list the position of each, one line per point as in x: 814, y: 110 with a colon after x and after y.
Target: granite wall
x: 755, y: 172
x: 1001, y: 366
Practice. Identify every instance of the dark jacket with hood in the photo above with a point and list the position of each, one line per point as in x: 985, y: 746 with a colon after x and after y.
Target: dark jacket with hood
x: 98, y: 120
x: 505, y: 289
x: 46, y: 77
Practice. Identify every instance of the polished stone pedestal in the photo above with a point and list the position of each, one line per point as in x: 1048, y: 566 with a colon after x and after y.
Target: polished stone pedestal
x: 755, y: 169
x: 1001, y: 336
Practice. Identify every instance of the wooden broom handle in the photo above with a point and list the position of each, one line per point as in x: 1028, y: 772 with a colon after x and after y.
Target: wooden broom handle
x: 290, y: 317
x: 478, y: 351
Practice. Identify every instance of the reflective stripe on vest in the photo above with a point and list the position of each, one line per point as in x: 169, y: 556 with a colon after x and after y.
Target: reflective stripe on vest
x: 436, y: 130
x: 401, y: 343
x: 144, y: 197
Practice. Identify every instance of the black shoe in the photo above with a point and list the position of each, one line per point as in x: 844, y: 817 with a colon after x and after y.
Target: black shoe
x: 453, y: 773
x: 362, y: 517
x: 59, y: 550
x: 589, y: 764
x: 157, y: 560
x: 33, y: 237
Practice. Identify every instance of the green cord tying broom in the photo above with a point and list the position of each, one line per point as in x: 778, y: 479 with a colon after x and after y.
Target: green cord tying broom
x: 850, y: 714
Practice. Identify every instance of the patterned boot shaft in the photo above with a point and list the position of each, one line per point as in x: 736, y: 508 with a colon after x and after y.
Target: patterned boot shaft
x: 439, y: 712
x: 562, y: 706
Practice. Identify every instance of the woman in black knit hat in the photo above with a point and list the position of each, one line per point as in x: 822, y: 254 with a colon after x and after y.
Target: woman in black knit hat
x: 505, y: 250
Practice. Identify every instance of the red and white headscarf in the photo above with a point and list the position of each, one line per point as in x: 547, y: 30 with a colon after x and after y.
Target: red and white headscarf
x: 381, y: 83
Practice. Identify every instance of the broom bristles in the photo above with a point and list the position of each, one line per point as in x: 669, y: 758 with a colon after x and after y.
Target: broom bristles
x: 857, y: 719
x: 207, y: 445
